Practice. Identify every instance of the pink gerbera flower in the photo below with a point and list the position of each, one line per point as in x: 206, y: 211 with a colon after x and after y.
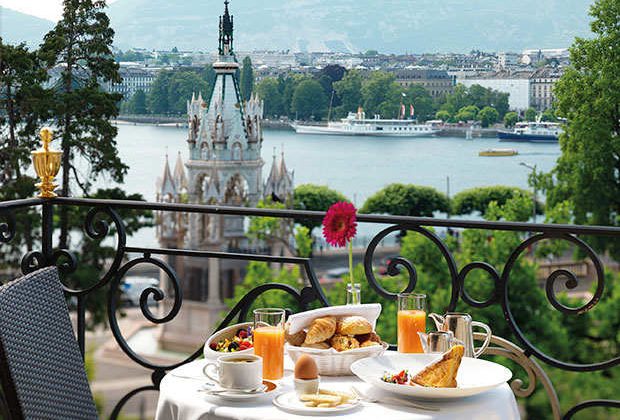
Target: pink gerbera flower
x: 340, y: 224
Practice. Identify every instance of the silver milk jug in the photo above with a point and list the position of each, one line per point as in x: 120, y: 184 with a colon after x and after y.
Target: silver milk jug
x: 461, y: 325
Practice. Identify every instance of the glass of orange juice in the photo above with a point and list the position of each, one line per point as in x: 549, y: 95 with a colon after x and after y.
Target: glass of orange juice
x: 411, y: 321
x: 269, y: 340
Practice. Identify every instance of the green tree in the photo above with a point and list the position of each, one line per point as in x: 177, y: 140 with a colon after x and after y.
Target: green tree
x: 422, y: 101
x: 315, y: 198
x: 137, y: 104
x: 510, y: 119
x: 181, y: 86
x: 406, y: 200
x: 588, y: 94
x: 530, y: 114
x: 158, y: 96
x: 456, y: 100
x: 467, y: 113
x: 81, y: 46
x: 478, y: 199
x: 381, y: 94
x: 268, y: 90
x: 309, y: 100
x: 549, y: 115
x: 349, y: 91
x: 443, y: 115
x: 488, y: 116
x: 246, y: 81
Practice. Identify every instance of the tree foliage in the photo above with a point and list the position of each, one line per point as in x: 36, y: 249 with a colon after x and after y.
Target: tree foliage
x: 510, y: 119
x: 530, y: 114
x: 588, y: 171
x: 269, y: 91
x: 477, y: 200
x: 315, y: 198
x: 488, y: 116
x: 246, y: 81
x: 309, y: 100
x: 406, y: 200
x: 476, y: 96
x: 172, y: 89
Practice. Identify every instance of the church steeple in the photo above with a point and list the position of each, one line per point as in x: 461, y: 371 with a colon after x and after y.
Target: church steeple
x: 226, y: 32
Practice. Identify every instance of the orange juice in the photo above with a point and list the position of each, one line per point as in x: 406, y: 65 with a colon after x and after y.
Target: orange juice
x: 269, y: 344
x: 410, y: 323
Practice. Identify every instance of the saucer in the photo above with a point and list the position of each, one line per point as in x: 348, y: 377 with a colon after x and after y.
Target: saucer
x: 290, y: 403
x: 232, y: 395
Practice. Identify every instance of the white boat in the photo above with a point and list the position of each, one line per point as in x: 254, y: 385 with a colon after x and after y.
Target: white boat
x: 356, y: 124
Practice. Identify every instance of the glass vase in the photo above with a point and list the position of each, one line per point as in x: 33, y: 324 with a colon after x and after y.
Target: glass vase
x: 354, y: 294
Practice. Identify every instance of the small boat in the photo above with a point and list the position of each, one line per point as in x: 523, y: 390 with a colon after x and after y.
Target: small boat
x: 498, y: 152
x: 535, y: 132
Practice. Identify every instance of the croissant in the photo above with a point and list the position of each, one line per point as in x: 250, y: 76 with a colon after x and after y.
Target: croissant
x: 344, y: 342
x: 320, y: 330
x: 296, y: 339
x: 354, y: 325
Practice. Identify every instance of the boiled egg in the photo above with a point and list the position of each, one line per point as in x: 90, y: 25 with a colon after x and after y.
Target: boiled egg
x: 306, y: 368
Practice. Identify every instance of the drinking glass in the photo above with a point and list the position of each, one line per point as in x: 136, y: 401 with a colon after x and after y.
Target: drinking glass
x: 411, y: 321
x: 269, y: 340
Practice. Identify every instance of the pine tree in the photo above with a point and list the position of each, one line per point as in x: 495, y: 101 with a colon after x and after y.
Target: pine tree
x: 80, y: 47
x: 246, y: 79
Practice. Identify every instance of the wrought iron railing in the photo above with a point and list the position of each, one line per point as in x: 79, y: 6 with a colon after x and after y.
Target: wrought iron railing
x: 103, y: 220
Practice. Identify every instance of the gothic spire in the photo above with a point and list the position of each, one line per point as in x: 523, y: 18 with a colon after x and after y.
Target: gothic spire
x: 226, y: 32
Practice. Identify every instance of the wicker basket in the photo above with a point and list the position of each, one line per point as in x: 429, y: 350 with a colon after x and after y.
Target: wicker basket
x: 333, y: 363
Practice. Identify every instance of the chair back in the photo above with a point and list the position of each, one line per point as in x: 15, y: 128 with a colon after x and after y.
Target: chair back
x: 41, y: 367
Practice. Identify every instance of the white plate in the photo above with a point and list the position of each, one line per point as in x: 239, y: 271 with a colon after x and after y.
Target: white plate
x: 270, y: 388
x: 290, y: 403
x: 474, y: 375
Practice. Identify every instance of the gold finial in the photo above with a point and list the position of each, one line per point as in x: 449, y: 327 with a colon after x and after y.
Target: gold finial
x: 47, y: 164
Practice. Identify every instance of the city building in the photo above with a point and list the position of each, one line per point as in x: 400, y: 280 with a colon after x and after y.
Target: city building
x: 135, y: 77
x: 225, y: 168
x: 436, y: 82
x: 516, y: 84
x: 541, y: 87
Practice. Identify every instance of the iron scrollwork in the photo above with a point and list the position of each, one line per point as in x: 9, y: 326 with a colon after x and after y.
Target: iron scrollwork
x: 7, y: 227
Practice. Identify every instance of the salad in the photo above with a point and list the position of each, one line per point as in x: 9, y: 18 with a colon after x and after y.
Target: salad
x: 242, y: 340
x: 400, y: 378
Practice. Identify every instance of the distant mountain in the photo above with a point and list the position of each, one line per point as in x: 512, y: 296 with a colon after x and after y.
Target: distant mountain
x: 16, y: 27
x: 353, y: 25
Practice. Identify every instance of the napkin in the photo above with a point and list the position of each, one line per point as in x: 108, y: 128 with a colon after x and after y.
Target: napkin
x: 299, y: 321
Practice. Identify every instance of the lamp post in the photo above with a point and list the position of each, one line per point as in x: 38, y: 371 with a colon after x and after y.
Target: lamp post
x: 533, y: 169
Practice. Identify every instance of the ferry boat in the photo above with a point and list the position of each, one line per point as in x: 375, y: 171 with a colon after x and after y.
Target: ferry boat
x: 356, y: 124
x: 536, y: 132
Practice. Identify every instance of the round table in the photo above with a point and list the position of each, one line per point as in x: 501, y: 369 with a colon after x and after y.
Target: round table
x: 180, y: 399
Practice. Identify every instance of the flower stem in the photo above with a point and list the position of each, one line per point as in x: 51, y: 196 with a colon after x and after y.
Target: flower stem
x: 351, y: 271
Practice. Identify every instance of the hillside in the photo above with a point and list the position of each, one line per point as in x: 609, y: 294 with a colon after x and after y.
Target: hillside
x: 354, y: 25
x: 16, y: 27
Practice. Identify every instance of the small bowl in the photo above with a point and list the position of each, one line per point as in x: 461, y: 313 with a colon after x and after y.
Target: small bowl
x: 227, y: 332
x: 307, y: 386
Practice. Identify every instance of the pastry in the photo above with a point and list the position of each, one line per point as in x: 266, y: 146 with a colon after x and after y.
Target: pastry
x: 322, y: 345
x: 369, y: 343
x: 296, y: 339
x: 344, y: 342
x: 353, y: 325
x: 320, y: 329
x: 373, y: 336
x: 442, y: 373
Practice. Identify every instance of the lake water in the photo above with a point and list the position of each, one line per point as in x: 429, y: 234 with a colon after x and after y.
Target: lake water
x: 355, y: 166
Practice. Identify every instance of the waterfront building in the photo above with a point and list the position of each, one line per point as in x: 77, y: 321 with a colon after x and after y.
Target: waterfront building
x: 135, y: 77
x: 225, y: 138
x: 541, y: 87
x: 516, y: 84
x: 437, y: 82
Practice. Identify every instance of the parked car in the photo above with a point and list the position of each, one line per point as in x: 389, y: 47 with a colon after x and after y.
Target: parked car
x: 133, y: 286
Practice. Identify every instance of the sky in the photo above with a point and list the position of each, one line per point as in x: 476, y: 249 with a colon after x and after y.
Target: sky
x: 46, y: 9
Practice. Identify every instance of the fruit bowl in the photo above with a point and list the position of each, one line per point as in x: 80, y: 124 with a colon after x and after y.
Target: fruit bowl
x: 224, y: 334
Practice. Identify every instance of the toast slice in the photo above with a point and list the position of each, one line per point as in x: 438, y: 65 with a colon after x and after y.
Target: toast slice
x: 442, y: 373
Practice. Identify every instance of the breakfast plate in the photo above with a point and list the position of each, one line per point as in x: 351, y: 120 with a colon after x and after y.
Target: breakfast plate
x: 290, y: 403
x: 474, y: 375
x: 268, y: 389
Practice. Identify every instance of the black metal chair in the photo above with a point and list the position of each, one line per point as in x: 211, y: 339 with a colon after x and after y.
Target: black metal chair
x: 41, y: 367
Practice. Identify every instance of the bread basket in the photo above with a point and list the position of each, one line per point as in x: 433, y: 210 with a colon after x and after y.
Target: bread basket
x: 333, y: 363
x: 329, y: 361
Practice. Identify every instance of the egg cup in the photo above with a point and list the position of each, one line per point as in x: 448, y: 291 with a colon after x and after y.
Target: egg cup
x: 307, y: 386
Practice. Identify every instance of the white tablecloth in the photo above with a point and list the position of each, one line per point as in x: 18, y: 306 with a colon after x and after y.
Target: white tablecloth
x: 179, y: 399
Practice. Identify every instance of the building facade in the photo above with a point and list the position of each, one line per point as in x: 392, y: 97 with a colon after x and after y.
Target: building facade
x: 542, y: 82
x: 437, y: 82
x: 516, y: 84
x: 135, y: 78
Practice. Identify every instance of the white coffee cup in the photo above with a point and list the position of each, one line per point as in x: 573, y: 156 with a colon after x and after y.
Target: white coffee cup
x: 243, y: 371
